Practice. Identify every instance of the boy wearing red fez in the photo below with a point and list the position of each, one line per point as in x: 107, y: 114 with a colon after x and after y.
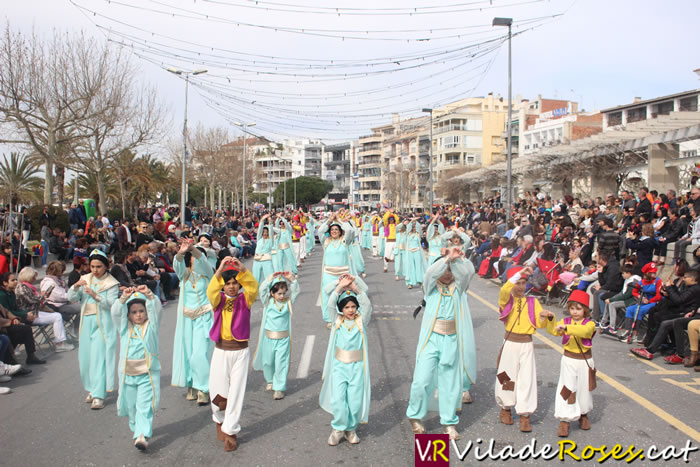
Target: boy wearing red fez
x: 573, y: 399
x: 650, y: 289
x: 516, y: 377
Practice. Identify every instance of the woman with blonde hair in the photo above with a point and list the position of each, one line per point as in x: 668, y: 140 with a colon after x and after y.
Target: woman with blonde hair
x: 56, y: 290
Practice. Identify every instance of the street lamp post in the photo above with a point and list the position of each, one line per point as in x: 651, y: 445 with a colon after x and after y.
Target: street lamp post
x: 509, y: 156
x: 183, y: 188
x: 430, y: 162
x: 244, y: 126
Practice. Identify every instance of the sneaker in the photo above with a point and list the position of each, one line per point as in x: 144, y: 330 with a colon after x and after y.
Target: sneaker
x: 5, y: 379
x: 5, y: 390
x: 64, y: 347
x: 623, y: 335
x: 642, y: 353
x: 352, y: 437
x: 9, y: 370
x: 611, y: 331
x: 674, y: 359
x: 335, y: 437
x: 278, y: 395
x: 638, y: 339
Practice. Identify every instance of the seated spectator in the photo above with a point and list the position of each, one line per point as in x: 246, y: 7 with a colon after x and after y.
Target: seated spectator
x: 167, y: 273
x: 80, y: 268
x: 5, y: 258
x: 19, y: 330
x: 618, y: 303
x: 29, y: 298
x: 58, y: 245
x: 235, y: 247
x: 648, y: 290
x: 689, y: 301
x: 54, y: 288
x: 610, y: 282
x: 644, y: 244
x: 120, y: 271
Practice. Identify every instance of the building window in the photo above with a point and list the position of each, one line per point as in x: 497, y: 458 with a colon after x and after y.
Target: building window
x: 636, y: 115
x: 664, y: 108
x: 474, y: 125
x: 689, y: 104
x: 471, y: 159
x: 615, y: 119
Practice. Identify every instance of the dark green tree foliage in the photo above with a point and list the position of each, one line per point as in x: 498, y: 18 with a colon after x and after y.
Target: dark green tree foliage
x: 310, y: 190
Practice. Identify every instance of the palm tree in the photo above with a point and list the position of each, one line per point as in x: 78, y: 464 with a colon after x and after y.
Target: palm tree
x: 18, y: 178
x: 88, y: 185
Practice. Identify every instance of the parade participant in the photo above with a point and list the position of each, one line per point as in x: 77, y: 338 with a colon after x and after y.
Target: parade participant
x: 262, y: 265
x: 287, y: 262
x: 204, y: 241
x: 298, y: 238
x: 336, y: 257
x: 345, y: 392
x: 456, y: 237
x: 445, y: 353
x: 356, y: 259
x: 414, y: 264
x: 400, y: 251
x: 573, y: 399
x: 231, y: 331
x: 310, y: 234
x: 376, y: 226
x: 277, y: 294
x: 192, y: 348
x: 366, y: 241
x: 97, y: 352
x: 390, y: 220
x: 136, y: 315
x: 435, y: 230
x: 650, y: 290
x: 516, y: 376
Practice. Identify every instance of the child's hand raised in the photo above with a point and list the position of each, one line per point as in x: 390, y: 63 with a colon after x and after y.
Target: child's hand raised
x: 561, y: 328
x: 143, y: 289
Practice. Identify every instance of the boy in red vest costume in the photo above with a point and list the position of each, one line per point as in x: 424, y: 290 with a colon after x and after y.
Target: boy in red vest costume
x: 516, y: 376
x: 573, y: 399
x: 231, y: 331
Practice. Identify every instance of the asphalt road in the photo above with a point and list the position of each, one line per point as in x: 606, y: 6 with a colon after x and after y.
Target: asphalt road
x: 45, y: 421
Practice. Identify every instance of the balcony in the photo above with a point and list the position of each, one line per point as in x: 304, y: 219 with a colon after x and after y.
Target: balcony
x: 370, y: 139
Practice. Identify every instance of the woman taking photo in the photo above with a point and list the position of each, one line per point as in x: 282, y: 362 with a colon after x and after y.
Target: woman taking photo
x: 18, y: 330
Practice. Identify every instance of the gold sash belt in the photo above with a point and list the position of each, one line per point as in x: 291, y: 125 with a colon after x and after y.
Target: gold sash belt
x: 336, y: 270
x: 196, y: 312
x: 90, y: 309
x: 445, y: 327
x: 284, y: 246
x: 276, y: 334
x: 262, y: 257
x: 136, y: 367
x: 348, y: 356
x: 413, y: 249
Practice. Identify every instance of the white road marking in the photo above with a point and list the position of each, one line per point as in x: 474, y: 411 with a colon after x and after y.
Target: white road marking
x: 305, y: 361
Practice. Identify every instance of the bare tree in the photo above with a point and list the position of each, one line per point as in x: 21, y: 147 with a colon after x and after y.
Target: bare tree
x: 210, y: 158
x: 45, y: 94
x: 123, y: 116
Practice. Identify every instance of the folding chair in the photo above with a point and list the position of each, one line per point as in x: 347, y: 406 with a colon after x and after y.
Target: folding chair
x: 45, y: 332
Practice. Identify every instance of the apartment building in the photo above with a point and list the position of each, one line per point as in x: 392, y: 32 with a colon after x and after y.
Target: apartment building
x: 338, y: 165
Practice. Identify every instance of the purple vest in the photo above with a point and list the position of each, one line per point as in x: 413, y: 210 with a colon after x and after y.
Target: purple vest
x: 530, y: 310
x: 240, y: 322
x: 584, y: 342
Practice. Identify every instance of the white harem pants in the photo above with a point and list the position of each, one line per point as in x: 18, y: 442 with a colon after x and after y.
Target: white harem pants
x: 517, y: 366
x: 573, y: 375
x: 228, y: 378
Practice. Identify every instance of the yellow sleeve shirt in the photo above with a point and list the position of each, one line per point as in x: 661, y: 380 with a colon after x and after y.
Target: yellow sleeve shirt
x: 522, y: 325
x: 577, y: 331
x: 250, y: 291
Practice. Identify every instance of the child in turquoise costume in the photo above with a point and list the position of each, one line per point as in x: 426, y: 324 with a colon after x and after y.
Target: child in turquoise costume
x: 366, y: 241
x: 287, y: 261
x: 445, y: 350
x: 336, y: 258
x: 136, y: 316
x: 345, y: 392
x: 310, y: 235
x: 435, y: 230
x: 358, y: 262
x: 400, y: 250
x: 413, y: 262
x: 97, y: 353
x: 277, y: 294
x: 204, y: 241
x: 192, y: 348
x: 262, y: 266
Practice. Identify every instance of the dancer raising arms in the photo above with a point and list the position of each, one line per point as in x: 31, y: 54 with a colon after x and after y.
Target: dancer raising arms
x: 262, y: 266
x: 336, y: 257
x: 192, y: 348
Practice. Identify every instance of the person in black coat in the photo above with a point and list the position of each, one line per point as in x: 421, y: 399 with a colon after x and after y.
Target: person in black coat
x: 610, y: 282
x: 644, y: 205
x: 643, y: 244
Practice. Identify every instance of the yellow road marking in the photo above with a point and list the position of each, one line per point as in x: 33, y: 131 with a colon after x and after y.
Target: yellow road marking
x: 659, y: 369
x: 647, y: 404
x: 686, y: 385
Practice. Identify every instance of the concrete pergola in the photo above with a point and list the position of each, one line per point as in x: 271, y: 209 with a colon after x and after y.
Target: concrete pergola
x: 652, y: 142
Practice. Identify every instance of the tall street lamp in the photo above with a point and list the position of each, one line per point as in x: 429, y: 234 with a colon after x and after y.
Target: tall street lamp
x: 509, y: 157
x: 183, y: 188
x: 430, y: 161
x: 244, y: 126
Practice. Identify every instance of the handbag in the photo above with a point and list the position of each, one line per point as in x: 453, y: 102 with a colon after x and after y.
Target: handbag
x: 592, y: 383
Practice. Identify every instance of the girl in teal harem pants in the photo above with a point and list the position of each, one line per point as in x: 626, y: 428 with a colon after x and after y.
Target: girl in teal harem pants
x: 97, y: 353
x: 413, y: 260
x: 275, y: 337
x: 137, y: 318
x: 446, y: 353
x: 345, y: 392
